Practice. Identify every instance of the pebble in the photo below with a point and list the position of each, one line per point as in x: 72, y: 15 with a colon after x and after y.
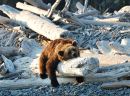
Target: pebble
x: 84, y: 89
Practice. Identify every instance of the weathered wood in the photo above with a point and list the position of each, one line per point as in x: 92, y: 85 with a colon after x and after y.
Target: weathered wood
x: 31, y: 8
x: 85, y: 6
x: 115, y: 85
x: 71, y: 17
x: 9, y: 51
x: 10, y: 75
x: 42, y: 25
x: 103, y: 46
x: 28, y: 83
x: 79, y: 6
x: 113, y: 67
x: 123, y: 48
x: 115, y: 75
x: 66, y: 7
x: 90, y: 13
x: 104, y: 23
x: 124, y: 9
x: 5, y: 33
x: 78, y: 67
x: 11, y: 39
x: 3, y: 69
x: 4, y: 20
x: 8, y: 63
x: 28, y: 45
x: 53, y: 8
x: 107, y: 59
x: 70, y: 68
x: 108, y: 19
x: 38, y: 3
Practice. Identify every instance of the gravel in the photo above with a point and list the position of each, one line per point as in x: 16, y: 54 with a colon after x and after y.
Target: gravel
x: 68, y: 89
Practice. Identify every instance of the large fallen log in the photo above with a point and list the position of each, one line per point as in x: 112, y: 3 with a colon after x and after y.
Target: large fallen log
x: 107, y: 59
x: 28, y: 83
x: 4, y: 20
x: 95, y: 22
x: 40, y: 25
x: 9, y: 51
x: 114, y: 85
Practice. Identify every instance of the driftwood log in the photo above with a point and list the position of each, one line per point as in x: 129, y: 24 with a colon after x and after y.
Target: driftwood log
x: 115, y: 47
x: 107, y: 59
x: 4, y: 20
x: 9, y: 51
x: 40, y: 25
x: 114, y: 85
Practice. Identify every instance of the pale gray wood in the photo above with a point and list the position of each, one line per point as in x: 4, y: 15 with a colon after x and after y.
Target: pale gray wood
x: 40, y: 25
x: 115, y: 85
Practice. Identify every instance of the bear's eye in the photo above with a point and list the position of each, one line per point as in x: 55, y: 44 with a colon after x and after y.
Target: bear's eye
x: 74, y: 49
x: 69, y: 52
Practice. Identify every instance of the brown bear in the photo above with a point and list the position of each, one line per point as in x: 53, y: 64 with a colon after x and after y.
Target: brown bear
x: 56, y: 51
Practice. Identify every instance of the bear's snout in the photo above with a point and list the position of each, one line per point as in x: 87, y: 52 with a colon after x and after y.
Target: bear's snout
x: 75, y: 55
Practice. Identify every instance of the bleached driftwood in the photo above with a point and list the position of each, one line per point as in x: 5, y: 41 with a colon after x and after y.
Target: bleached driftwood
x: 125, y: 31
x: 6, y: 33
x: 31, y: 8
x: 78, y: 67
x: 114, y: 85
x: 30, y: 70
x: 80, y: 6
x: 53, y: 8
x: 28, y: 83
x: 71, y: 68
x: 11, y: 39
x: 110, y: 47
x: 107, y: 59
x: 104, y: 23
x: 90, y: 13
x: 8, y: 64
x: 123, y: 48
x: 66, y: 7
x: 108, y: 19
x: 38, y: 3
x: 27, y: 46
x: 71, y: 17
x: 103, y: 46
x: 3, y: 69
x: 114, y: 75
x: 4, y: 20
x: 124, y: 9
x: 10, y: 75
x: 42, y: 25
x: 113, y: 67
x: 9, y: 51
x: 85, y: 6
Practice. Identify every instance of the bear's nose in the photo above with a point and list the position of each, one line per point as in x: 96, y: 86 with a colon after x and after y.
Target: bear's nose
x: 75, y: 55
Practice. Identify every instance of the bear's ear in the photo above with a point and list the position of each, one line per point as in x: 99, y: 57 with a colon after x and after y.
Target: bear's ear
x: 74, y: 43
x: 61, y: 53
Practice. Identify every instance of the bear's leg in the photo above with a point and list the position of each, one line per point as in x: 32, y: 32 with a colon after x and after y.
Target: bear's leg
x: 79, y: 79
x: 42, y: 66
x: 51, y: 67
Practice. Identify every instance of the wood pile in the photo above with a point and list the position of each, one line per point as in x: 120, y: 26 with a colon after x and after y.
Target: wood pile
x: 103, y: 38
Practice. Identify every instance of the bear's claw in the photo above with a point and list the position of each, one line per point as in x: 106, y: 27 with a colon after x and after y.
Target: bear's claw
x: 43, y: 76
x: 54, y: 83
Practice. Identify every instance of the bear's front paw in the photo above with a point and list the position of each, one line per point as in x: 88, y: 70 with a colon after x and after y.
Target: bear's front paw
x: 43, y: 76
x: 54, y: 83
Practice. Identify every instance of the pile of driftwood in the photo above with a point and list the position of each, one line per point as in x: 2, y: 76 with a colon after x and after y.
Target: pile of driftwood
x: 105, y: 38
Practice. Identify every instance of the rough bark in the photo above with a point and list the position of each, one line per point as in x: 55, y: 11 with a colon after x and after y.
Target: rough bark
x: 42, y: 25
x: 104, y: 23
x: 114, y: 85
x: 107, y: 59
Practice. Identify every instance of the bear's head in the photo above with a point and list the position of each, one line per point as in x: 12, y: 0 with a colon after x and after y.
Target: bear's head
x: 68, y: 51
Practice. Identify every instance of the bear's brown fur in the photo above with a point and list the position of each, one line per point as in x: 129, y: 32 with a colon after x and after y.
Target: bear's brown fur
x: 58, y: 50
